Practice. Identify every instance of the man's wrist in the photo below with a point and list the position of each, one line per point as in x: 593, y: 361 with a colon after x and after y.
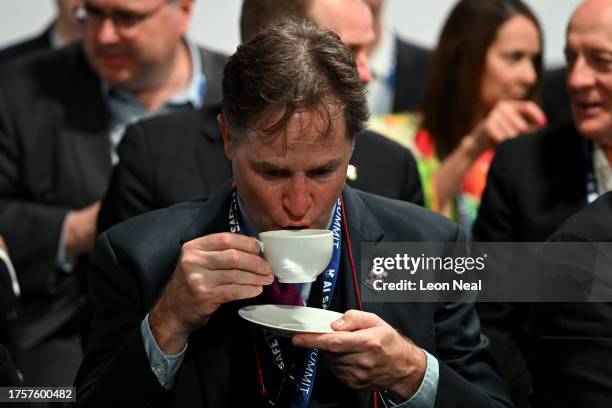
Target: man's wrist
x: 410, y: 380
x: 165, y: 367
x: 168, y: 335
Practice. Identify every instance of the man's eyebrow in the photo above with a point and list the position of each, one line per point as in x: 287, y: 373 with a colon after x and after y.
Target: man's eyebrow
x: 265, y: 165
x: 330, y: 164
x: 117, y: 10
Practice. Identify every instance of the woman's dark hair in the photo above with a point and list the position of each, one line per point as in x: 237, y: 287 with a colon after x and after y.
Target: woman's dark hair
x: 290, y: 67
x: 452, y: 101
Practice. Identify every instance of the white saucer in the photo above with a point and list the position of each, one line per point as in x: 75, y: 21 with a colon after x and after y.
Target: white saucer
x: 289, y: 320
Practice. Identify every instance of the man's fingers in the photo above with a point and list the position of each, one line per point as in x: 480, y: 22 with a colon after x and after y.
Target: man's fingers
x: 230, y: 293
x: 226, y: 240
x: 225, y: 251
x: 236, y: 259
x: 356, y: 320
x: 239, y: 277
x: 332, y: 342
x: 338, y: 342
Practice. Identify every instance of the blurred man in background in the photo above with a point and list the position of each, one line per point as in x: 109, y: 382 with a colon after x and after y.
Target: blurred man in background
x: 399, y: 68
x: 62, y: 114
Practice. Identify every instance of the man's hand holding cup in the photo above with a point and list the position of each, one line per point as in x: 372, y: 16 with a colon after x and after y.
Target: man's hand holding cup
x: 212, y: 270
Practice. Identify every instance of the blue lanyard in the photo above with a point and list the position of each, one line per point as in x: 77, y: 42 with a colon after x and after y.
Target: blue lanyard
x: 592, y: 188
x: 305, y: 381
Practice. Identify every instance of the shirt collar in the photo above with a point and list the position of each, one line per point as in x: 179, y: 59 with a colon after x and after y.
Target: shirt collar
x: 194, y: 93
x: 54, y: 39
x: 127, y: 109
x: 603, y: 171
x: 382, y: 61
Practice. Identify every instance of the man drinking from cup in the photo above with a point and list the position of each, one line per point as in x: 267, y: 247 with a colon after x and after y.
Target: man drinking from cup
x: 167, y: 285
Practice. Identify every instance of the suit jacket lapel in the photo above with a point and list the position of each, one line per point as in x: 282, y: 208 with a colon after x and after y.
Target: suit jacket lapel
x: 87, y: 127
x: 362, y: 228
x: 213, y: 73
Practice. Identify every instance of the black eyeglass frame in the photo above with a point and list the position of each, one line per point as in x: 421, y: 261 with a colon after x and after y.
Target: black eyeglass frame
x: 123, y: 20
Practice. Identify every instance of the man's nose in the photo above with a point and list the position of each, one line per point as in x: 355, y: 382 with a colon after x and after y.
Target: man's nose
x: 297, y: 198
x: 580, y: 75
x: 107, y: 32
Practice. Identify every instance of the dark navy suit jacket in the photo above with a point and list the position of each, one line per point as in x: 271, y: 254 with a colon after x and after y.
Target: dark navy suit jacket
x: 133, y: 261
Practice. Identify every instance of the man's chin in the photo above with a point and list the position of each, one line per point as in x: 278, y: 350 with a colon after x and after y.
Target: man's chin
x: 119, y: 78
x: 594, y: 131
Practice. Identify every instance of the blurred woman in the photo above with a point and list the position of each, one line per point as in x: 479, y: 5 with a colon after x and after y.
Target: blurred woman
x: 483, y: 87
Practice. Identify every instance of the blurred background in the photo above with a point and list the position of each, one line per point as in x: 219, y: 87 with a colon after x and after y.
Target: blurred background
x: 215, y: 22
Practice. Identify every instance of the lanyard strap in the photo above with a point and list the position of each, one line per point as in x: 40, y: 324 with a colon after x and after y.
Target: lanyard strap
x: 304, y: 382
x: 592, y: 189
x: 306, y: 378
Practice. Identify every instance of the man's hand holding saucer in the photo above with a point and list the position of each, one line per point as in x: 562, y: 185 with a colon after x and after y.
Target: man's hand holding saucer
x: 366, y: 353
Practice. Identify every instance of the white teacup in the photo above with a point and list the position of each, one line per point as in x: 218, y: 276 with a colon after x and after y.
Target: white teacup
x: 297, y: 256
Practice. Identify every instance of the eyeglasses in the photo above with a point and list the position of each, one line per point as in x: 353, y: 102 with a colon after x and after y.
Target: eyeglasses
x: 123, y: 20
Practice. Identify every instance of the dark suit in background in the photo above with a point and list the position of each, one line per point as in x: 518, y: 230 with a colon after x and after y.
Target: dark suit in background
x: 574, y: 340
x: 411, y: 75
x: 40, y: 42
x: 555, y: 100
x: 591, y: 224
x: 180, y: 157
x: 535, y: 183
x: 133, y: 261
x: 399, y: 75
x: 55, y: 156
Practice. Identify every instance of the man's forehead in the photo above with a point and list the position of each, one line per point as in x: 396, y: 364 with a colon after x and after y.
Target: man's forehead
x: 131, y: 5
x: 342, y: 15
x: 591, y: 16
x: 313, y: 125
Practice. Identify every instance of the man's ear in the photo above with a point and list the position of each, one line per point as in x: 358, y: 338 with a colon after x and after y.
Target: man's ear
x: 186, y: 8
x: 225, y: 132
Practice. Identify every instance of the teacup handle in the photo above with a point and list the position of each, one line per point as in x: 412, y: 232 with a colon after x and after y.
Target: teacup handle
x: 261, y: 246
